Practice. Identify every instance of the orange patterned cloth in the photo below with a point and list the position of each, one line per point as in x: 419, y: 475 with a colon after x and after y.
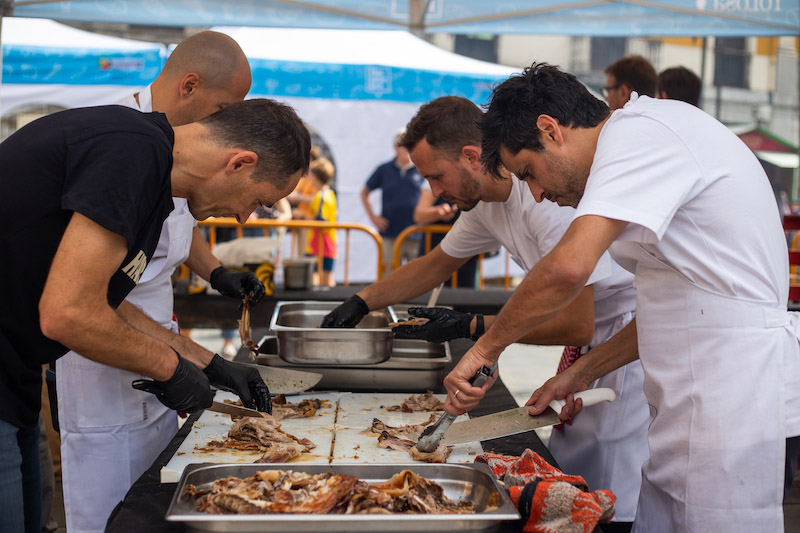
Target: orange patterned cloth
x: 549, y: 500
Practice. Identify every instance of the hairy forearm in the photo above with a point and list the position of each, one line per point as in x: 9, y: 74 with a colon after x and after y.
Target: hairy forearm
x: 572, y: 326
x: 550, y: 288
x: 183, y: 345
x: 412, y: 279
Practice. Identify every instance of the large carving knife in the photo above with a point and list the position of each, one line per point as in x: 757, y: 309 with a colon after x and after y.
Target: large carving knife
x: 518, y: 420
x: 284, y: 380
x: 432, y: 436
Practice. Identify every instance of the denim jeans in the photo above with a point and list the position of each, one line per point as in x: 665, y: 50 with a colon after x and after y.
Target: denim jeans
x: 21, y: 489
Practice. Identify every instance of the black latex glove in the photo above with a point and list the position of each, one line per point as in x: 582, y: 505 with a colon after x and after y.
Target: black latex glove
x: 246, y: 382
x: 186, y: 391
x: 444, y: 325
x: 237, y: 284
x: 348, y: 314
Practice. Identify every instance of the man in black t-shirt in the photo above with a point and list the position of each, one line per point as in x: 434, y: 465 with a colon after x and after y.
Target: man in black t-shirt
x: 85, y: 193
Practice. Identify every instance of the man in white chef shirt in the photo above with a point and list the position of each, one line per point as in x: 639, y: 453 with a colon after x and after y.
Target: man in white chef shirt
x: 110, y: 432
x: 607, y: 444
x: 690, y: 211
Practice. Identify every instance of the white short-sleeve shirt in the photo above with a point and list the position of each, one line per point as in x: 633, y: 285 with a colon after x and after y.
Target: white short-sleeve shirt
x: 697, y: 201
x: 529, y: 231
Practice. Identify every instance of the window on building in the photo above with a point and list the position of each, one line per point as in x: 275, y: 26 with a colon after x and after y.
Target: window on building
x: 483, y: 47
x: 731, y: 62
x: 606, y: 50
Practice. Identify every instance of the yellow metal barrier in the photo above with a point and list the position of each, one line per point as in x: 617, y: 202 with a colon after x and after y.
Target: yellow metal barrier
x: 294, y: 226
x: 442, y: 228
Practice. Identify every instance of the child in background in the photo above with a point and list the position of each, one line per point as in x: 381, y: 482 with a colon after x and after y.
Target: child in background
x: 323, y: 208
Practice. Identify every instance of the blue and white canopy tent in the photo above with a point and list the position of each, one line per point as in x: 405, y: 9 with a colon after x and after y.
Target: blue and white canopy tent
x: 555, y: 17
x: 396, y: 87
x: 354, y: 88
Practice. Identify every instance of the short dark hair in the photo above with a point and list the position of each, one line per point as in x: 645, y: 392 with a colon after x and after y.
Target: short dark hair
x: 448, y: 124
x: 636, y: 72
x: 517, y: 103
x: 680, y: 83
x: 270, y: 129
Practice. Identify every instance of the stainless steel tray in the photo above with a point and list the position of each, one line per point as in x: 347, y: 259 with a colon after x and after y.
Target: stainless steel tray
x: 414, y: 366
x: 474, y: 483
x: 302, y: 341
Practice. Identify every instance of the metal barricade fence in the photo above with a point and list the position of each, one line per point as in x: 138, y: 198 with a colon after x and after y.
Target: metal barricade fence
x: 428, y: 230
x: 294, y: 227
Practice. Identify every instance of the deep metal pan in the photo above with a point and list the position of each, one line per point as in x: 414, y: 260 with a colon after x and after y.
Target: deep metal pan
x: 474, y: 483
x: 414, y: 366
x: 302, y: 341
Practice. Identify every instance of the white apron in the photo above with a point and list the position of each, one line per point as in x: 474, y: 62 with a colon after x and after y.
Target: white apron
x: 110, y: 432
x: 715, y: 374
x: 607, y: 443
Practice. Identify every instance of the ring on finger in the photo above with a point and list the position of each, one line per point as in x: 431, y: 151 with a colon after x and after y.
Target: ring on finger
x: 455, y: 394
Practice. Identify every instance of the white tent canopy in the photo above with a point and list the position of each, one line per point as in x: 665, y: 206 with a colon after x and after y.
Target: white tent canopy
x: 354, y: 88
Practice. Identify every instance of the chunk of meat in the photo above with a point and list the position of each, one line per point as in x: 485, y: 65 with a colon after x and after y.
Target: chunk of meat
x: 412, y: 431
x: 418, y: 402
x: 439, y: 455
x: 245, y: 333
x: 282, y: 409
x: 277, y: 445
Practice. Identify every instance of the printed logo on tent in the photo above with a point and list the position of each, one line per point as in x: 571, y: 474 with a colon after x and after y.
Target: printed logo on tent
x: 126, y: 64
x: 744, y: 6
x: 378, y: 80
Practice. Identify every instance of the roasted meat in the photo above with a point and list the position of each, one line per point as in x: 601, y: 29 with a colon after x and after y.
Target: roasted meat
x: 245, y: 333
x: 439, y: 455
x: 412, y: 431
x: 418, y: 402
x: 282, y: 409
x: 278, y: 491
x: 265, y: 433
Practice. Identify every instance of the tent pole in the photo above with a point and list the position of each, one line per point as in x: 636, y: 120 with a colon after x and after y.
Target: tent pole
x: 703, y: 70
x: 416, y: 16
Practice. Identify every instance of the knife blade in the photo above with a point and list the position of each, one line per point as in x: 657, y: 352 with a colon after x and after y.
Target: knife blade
x: 518, y: 420
x: 234, y: 410
x: 284, y: 380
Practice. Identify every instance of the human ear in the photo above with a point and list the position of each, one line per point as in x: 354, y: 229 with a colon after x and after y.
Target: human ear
x: 241, y: 160
x: 473, y: 155
x: 549, y: 128
x: 189, y: 84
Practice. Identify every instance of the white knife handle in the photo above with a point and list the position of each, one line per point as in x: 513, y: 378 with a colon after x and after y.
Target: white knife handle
x: 589, y: 397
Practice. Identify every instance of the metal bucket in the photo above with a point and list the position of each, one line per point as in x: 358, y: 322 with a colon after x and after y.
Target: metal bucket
x: 298, y: 273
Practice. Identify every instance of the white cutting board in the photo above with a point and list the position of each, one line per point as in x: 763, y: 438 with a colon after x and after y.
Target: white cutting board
x: 356, y: 411
x: 215, y: 426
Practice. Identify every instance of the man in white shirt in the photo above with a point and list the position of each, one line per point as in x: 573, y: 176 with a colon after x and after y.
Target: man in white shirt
x: 110, y: 432
x: 689, y: 210
x: 606, y: 445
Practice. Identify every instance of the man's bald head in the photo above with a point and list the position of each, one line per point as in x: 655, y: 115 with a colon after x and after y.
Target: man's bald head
x: 204, y: 73
x: 216, y: 57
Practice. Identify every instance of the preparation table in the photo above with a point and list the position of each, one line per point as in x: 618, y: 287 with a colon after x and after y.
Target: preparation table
x: 147, y: 501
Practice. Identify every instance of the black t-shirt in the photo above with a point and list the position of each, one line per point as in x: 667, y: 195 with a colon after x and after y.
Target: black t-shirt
x: 111, y: 164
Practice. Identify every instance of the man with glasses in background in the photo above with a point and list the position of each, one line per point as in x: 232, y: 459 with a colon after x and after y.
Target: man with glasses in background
x: 627, y: 75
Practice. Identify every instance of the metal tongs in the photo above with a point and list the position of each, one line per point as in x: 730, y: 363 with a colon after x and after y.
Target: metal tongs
x: 432, y: 436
